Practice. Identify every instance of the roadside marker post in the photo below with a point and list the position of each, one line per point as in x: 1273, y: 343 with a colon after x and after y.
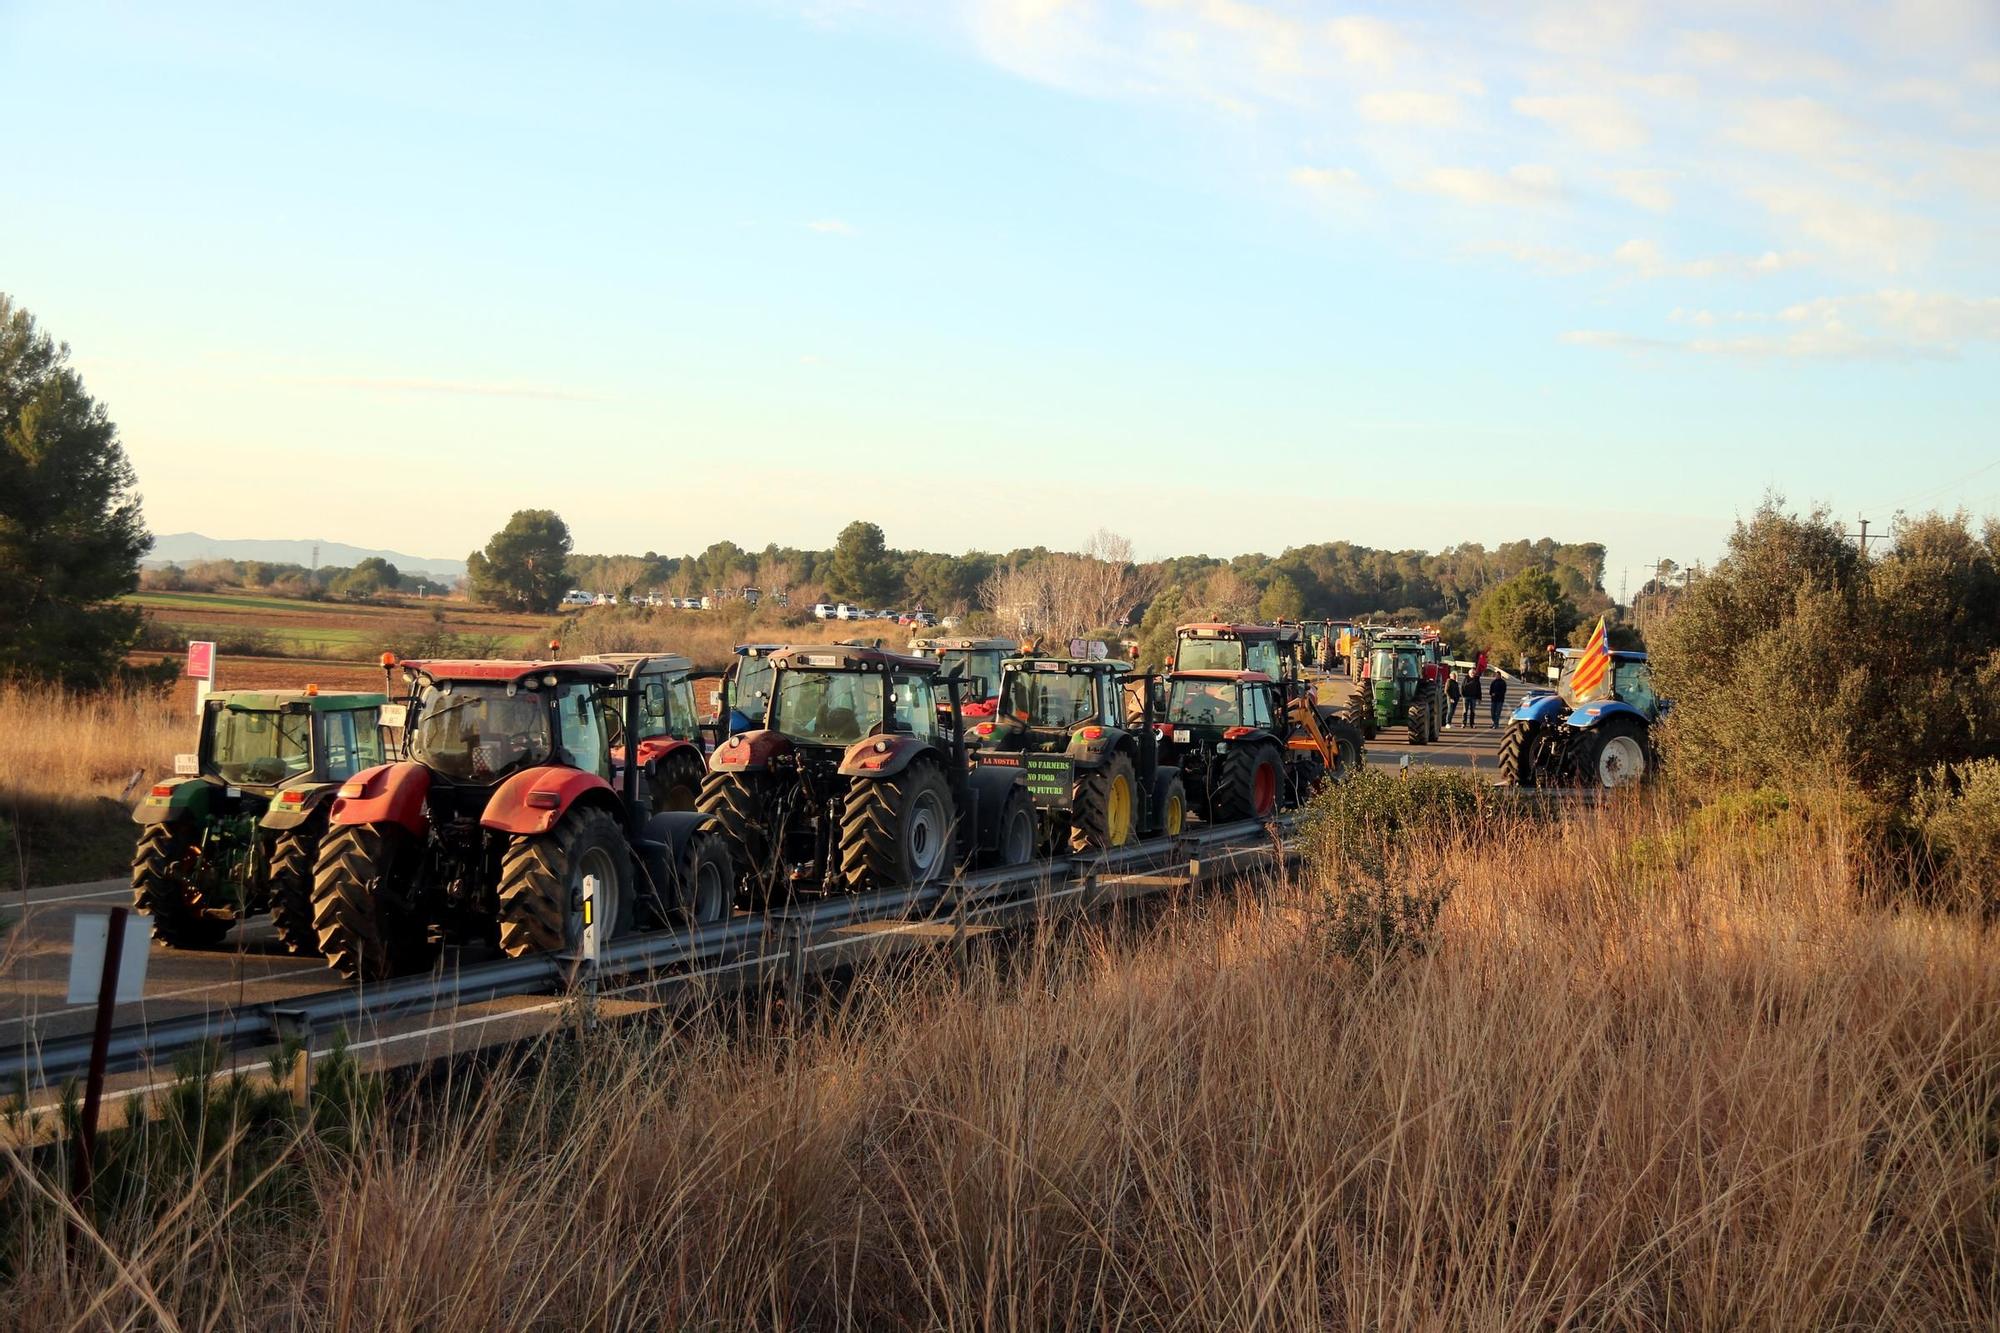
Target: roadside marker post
x: 108, y: 953
x: 201, y: 666
x: 588, y: 949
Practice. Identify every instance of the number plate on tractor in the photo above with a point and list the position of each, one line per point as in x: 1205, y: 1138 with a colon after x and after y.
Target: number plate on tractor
x: 393, y: 715
x: 187, y: 765
x: 1182, y: 735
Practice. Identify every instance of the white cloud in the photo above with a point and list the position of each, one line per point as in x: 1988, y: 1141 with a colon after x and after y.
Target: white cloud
x: 1529, y: 185
x: 1796, y: 125
x: 1329, y: 180
x: 1438, y: 110
x: 1870, y: 236
x: 1892, y: 325
x: 1600, y: 123
x: 1647, y: 257
x: 832, y: 227
x: 1647, y: 189
x: 1740, y: 57
x: 1366, y: 41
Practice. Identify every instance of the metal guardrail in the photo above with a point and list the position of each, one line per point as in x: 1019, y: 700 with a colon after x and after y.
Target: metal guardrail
x: 775, y: 942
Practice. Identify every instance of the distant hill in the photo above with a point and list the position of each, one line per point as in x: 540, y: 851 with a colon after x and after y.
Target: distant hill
x: 180, y: 548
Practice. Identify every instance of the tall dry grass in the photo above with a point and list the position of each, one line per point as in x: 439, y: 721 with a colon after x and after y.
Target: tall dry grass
x: 1699, y: 1087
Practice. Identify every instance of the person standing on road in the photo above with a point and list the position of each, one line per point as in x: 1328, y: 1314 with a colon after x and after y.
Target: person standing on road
x: 1472, y: 698
x: 1497, y: 693
x: 1451, y: 697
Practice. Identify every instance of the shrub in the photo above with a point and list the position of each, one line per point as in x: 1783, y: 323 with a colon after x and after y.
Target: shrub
x: 1958, y: 810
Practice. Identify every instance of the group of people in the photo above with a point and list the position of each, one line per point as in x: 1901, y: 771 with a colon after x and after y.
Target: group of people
x: 1466, y: 687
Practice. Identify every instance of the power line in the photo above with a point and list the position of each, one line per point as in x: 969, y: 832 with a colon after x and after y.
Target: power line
x: 1948, y: 486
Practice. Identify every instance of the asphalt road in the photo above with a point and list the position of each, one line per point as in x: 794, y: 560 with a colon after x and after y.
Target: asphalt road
x: 1476, y: 748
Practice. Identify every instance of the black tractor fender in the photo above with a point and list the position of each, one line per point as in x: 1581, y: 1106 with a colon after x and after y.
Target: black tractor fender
x: 990, y: 787
x: 664, y: 841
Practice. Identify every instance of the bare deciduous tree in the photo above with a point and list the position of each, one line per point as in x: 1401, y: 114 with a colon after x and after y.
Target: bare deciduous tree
x: 1066, y: 595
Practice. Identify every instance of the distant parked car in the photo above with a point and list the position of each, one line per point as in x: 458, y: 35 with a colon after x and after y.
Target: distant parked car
x: 577, y: 597
x: 846, y: 611
x: 824, y: 611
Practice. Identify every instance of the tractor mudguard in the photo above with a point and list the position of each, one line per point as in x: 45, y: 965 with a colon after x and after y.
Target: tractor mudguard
x: 1093, y: 750
x: 748, y: 752
x: 1541, y: 708
x: 175, y: 800
x: 663, y: 843
x: 655, y: 748
x: 292, y: 806
x: 991, y: 787
x: 882, y: 756
x: 386, y: 794
x: 533, y: 800
x: 1603, y: 710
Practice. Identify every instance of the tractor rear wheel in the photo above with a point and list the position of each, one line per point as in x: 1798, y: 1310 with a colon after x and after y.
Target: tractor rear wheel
x: 738, y: 802
x: 1348, y: 750
x: 292, y: 888
x: 675, y: 782
x: 1248, y: 789
x: 897, y: 831
x: 1105, y: 809
x: 1517, y: 754
x: 1017, y: 829
x: 1361, y: 711
x: 542, y: 882
x: 162, y: 890
x: 1612, y: 754
x: 1173, y: 810
x: 362, y: 908
x: 1422, y: 719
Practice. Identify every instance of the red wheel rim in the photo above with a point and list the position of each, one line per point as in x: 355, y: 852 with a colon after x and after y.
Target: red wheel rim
x: 1265, y: 790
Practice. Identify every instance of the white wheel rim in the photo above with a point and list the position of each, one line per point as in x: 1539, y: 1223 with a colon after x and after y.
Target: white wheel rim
x: 924, y: 838
x: 1621, y: 762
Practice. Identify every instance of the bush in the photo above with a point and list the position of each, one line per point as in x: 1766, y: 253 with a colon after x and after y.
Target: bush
x: 1958, y: 810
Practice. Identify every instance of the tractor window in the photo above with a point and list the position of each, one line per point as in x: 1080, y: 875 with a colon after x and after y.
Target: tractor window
x: 751, y: 689
x: 1208, y: 655
x: 1203, y: 703
x: 1111, y: 693
x: 827, y: 707
x: 1256, y: 707
x: 654, y: 715
x: 915, y: 707
x: 968, y: 663
x: 1054, y: 699
x: 1632, y: 682
x: 351, y: 741
x: 474, y: 733
x: 681, y: 720
x: 1264, y: 657
x: 580, y: 716
x: 259, y: 748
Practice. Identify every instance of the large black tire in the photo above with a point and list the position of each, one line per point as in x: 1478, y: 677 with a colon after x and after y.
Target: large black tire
x: 1517, y: 754
x: 542, y: 877
x: 1171, y: 815
x: 1348, y: 747
x: 1100, y: 819
x: 676, y: 781
x: 363, y: 907
x: 737, y: 802
x: 1015, y: 845
x: 1249, y: 785
x: 160, y: 889
x: 703, y: 889
x: 292, y: 861
x: 1614, y: 753
x: 1422, y: 720
x: 1361, y: 710
x: 897, y: 832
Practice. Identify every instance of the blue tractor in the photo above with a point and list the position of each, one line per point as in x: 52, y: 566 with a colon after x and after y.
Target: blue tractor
x: 1553, y: 740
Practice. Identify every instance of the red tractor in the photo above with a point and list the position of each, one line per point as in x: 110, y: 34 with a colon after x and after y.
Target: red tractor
x: 853, y: 782
x: 671, y: 756
x: 1313, y: 728
x: 977, y: 662
x: 486, y: 832
x: 1230, y: 735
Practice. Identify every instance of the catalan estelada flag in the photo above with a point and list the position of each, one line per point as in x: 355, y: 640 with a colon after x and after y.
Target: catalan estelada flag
x: 1592, y: 677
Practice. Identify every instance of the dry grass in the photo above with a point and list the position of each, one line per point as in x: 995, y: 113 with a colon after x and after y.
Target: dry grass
x: 66, y: 777
x: 1710, y: 1092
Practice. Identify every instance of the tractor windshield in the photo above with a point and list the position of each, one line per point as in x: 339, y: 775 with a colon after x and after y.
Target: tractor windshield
x: 1049, y: 698
x: 1388, y: 664
x: 666, y: 708
x: 969, y: 662
x: 1632, y: 682
x: 473, y: 732
x: 751, y: 689
x: 1203, y: 703
x: 827, y: 707
x: 258, y: 748
x: 1209, y: 655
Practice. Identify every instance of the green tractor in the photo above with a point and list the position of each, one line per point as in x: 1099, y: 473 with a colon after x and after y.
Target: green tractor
x: 1093, y: 771
x: 1402, y: 685
x: 238, y: 831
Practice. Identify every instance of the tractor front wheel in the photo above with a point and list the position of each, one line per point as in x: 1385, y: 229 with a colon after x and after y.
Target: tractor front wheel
x: 1251, y: 777
x: 897, y: 831
x: 1422, y: 719
x: 1173, y: 810
x: 1017, y: 828
x: 1518, y: 748
x: 704, y: 891
x: 1612, y: 754
x: 1348, y: 751
x: 542, y: 879
x: 292, y: 862
x: 162, y: 888
x: 1105, y: 807
x: 675, y: 782
x: 1361, y: 710
x: 363, y: 910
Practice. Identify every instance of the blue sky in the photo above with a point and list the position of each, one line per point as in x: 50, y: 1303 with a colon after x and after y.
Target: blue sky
x: 1219, y: 275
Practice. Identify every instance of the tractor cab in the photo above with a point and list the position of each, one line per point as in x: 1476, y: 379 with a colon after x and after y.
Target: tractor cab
x: 830, y: 700
x: 746, y: 687
x: 479, y: 722
x: 1270, y: 649
x: 260, y: 740
x: 1042, y: 700
x: 974, y: 660
x: 670, y: 744
x: 1227, y: 732
x: 1631, y: 681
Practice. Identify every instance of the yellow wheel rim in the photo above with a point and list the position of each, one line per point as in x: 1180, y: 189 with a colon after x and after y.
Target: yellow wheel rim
x: 1176, y: 815
x: 1118, y: 811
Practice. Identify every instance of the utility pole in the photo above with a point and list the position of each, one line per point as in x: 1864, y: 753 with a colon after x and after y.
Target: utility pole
x: 1863, y: 537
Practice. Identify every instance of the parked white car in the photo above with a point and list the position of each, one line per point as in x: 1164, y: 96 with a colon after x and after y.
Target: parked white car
x: 823, y: 611
x: 846, y: 611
